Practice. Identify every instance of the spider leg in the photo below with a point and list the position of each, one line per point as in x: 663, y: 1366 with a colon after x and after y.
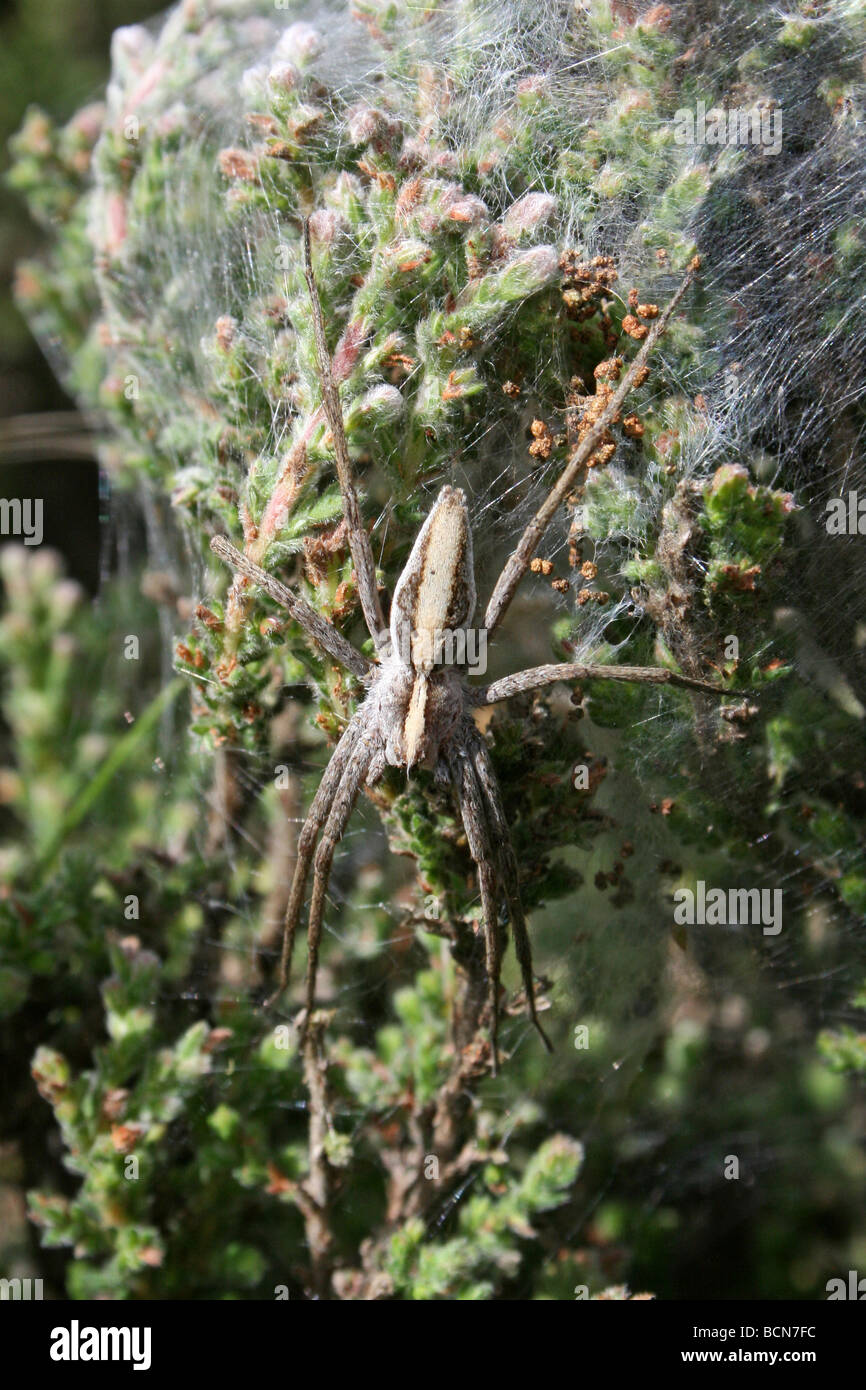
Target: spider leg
x: 317, y: 627
x: 489, y: 785
x: 516, y: 565
x: 316, y: 817
x: 359, y: 541
x: 378, y: 763
x: 539, y: 676
x: 343, y: 803
x: 471, y: 805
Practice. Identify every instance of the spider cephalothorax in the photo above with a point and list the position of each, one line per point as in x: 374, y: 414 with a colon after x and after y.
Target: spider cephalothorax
x: 418, y: 709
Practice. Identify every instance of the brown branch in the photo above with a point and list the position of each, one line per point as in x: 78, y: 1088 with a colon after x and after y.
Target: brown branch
x: 359, y: 541
x: 518, y: 562
x: 316, y: 1211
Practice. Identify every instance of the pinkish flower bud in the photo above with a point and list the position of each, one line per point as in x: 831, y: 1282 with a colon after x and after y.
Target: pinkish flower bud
x: 408, y: 254
x: 147, y: 84
x: 529, y: 212
x: 634, y: 99
x: 657, y: 17
x: 414, y: 153
x: 131, y: 48
x: 366, y: 123
x: 457, y: 206
x: 533, y: 87
x: 115, y: 224
x: 88, y: 122
x: 446, y: 161
x: 35, y: 136
x: 238, y: 164
x: 299, y: 44
x: 469, y: 210
x: 325, y: 224
x: 226, y: 331
x: 347, y: 189
x: 347, y: 350
x: 284, y: 77
x: 727, y: 472
x: 44, y: 566
x: 68, y: 595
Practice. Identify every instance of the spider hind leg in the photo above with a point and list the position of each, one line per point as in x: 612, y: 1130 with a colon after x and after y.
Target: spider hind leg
x: 483, y: 768
x: 471, y: 802
x: 350, y: 783
x: 316, y: 818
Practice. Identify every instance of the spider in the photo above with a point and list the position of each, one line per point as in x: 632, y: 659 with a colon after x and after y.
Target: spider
x: 418, y: 709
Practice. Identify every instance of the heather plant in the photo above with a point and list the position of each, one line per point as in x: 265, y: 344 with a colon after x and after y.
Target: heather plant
x: 500, y: 198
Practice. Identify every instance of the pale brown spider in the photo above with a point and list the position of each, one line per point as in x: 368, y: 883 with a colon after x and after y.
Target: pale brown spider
x: 419, y: 706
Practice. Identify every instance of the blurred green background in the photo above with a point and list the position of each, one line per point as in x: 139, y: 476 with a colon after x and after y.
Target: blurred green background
x: 57, y: 57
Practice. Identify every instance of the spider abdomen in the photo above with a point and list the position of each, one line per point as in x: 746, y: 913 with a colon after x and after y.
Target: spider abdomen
x: 435, y: 595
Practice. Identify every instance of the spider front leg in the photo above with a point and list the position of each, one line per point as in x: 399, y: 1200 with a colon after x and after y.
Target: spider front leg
x: 323, y: 633
x: 539, y: 676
